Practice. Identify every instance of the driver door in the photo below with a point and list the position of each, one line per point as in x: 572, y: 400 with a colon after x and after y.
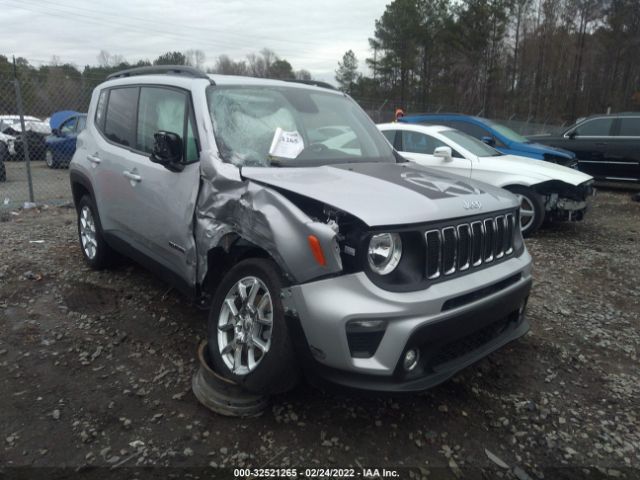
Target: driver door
x: 419, y: 147
x: 162, y: 202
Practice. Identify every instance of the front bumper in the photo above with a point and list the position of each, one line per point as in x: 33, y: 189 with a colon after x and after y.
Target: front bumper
x: 453, y: 324
x: 566, y: 209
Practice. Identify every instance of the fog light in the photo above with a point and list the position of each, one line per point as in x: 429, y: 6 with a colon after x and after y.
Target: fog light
x: 411, y: 360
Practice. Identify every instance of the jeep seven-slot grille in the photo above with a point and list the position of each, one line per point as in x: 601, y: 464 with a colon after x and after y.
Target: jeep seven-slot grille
x: 452, y: 249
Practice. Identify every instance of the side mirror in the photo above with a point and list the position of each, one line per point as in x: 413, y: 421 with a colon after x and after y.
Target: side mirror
x: 167, y: 150
x: 571, y: 135
x: 444, y: 153
x: 489, y: 141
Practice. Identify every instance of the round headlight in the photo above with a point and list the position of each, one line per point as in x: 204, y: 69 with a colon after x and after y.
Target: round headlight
x: 384, y: 253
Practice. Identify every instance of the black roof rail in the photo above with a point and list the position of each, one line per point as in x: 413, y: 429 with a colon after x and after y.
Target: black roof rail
x: 315, y: 83
x: 160, y: 70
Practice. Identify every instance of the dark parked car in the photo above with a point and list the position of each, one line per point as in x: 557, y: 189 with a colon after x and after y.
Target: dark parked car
x: 61, y: 144
x: 607, y: 146
x: 498, y: 136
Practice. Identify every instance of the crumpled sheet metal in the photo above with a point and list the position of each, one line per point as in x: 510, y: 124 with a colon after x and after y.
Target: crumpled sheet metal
x: 266, y: 218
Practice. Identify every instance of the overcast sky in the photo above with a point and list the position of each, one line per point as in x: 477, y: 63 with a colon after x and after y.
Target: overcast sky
x: 310, y: 34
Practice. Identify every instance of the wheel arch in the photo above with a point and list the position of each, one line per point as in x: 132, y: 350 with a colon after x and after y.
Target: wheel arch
x: 231, y: 249
x: 80, y: 186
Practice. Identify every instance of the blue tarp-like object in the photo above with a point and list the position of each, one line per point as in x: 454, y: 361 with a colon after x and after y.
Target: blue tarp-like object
x: 57, y: 118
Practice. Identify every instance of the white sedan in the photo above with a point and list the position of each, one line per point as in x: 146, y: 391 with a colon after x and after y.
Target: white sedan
x: 546, y: 190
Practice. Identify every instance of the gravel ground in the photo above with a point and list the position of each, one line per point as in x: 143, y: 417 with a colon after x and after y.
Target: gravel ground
x: 95, y: 370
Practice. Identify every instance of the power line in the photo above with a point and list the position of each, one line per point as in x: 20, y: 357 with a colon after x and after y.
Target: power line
x: 66, y: 14
x: 155, y: 23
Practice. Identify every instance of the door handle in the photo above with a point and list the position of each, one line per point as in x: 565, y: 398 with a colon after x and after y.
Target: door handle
x: 132, y: 176
x: 94, y: 159
x: 601, y: 144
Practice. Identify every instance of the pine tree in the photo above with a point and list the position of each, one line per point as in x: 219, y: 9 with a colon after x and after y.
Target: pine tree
x: 347, y: 71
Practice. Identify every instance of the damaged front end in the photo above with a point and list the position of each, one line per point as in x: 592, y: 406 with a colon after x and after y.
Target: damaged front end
x: 565, y: 202
x: 246, y: 216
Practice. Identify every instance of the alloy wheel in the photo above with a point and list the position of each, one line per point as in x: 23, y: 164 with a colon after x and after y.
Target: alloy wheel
x: 245, y: 325
x: 527, y: 212
x: 88, y: 233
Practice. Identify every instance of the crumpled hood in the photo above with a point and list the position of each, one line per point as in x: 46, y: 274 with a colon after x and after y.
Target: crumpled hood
x: 533, y: 169
x: 387, y: 193
x: 540, y: 149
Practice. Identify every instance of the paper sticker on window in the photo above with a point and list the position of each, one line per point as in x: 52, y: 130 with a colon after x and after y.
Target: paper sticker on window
x: 286, y: 144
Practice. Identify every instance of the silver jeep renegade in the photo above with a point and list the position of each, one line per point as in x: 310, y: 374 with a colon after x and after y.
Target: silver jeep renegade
x: 283, y: 210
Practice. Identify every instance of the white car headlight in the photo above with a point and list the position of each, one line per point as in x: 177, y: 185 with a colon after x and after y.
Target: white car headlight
x: 384, y: 252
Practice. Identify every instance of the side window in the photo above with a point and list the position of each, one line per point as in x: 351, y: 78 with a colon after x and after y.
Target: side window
x: 165, y: 109
x: 101, y: 109
x: 437, y: 143
x: 629, y: 127
x: 119, y: 125
x: 69, y: 126
x: 390, y: 135
x: 415, y: 142
x: 599, y: 127
x: 471, y: 129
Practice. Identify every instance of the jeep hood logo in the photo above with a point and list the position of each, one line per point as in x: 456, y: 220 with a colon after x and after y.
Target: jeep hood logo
x: 472, y: 204
x: 447, y: 187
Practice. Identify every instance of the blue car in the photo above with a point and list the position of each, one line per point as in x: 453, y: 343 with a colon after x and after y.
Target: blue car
x: 498, y: 136
x: 61, y: 144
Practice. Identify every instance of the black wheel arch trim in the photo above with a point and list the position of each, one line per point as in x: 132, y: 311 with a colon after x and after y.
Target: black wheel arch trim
x: 79, y: 178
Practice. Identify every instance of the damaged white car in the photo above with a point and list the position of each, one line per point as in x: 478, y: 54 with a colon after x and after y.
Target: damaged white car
x: 547, y: 191
x: 333, y: 256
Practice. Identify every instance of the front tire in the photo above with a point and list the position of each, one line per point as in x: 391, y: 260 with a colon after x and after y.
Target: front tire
x: 94, y: 248
x: 248, y: 338
x: 531, y: 209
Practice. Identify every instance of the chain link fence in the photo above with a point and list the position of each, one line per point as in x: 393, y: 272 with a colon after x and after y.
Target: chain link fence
x: 34, y: 156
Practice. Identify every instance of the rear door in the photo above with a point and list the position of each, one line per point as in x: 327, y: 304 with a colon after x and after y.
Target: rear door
x: 591, y: 142
x: 625, y: 150
x: 419, y: 147
x: 115, y: 119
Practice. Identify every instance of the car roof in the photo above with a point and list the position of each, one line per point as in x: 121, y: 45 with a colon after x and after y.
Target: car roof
x: 416, y: 127
x: 460, y: 116
x: 186, y: 82
x: 613, y: 115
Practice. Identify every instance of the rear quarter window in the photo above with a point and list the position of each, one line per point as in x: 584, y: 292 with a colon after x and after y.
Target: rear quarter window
x: 101, y: 109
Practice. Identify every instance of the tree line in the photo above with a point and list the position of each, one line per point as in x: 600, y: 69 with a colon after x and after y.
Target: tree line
x: 63, y: 86
x: 551, y: 60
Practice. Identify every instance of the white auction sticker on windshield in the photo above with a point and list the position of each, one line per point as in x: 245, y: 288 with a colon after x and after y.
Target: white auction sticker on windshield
x: 286, y: 144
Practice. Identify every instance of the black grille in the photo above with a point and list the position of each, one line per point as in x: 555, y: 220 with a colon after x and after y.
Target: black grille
x: 474, y: 341
x: 464, y: 246
x: 434, y: 250
x: 452, y: 249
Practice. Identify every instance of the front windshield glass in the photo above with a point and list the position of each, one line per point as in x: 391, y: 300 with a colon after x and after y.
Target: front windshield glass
x: 473, y: 145
x: 508, y: 133
x: 291, y: 126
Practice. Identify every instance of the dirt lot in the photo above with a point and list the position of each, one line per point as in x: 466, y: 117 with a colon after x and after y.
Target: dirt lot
x: 95, y: 370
